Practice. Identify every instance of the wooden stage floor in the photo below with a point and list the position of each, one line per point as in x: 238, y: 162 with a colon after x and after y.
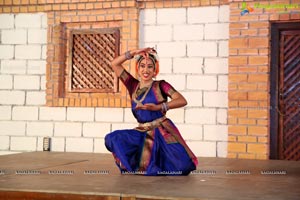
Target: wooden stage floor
x: 50, y: 175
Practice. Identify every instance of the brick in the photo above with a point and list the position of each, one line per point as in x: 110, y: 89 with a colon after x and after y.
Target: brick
x: 109, y: 114
x: 215, y: 99
x: 232, y: 86
x: 262, y: 122
x: 44, y: 21
x: 52, y: 113
x: 246, y: 156
x: 24, y: 113
x: 257, y: 95
x: 232, y: 138
x: 27, y: 82
x: 237, y: 113
x: 70, y: 129
x: 194, y: 98
x: 238, y: 25
x: 57, y: 144
x: 263, y: 139
x: 258, y: 113
x: 177, y: 81
x: 13, y: 66
x: 259, y: 42
x: 188, y: 32
x: 249, y: 32
x: 232, y: 104
x: 222, y: 149
x: 23, y: 143
x: 258, y: 78
x: 215, y: 132
x: 43, y: 82
x: 12, y: 97
x: 201, y: 82
x: 171, y: 16
x: 222, y: 83
x: 224, y: 13
x: 191, y: 132
x: 247, y: 86
x: 238, y: 42
x: 79, y: 145
x: 237, y: 60
x: 249, y: 17
x: 258, y: 24
x: 177, y: 115
x: 37, y: 36
x: 200, y: 116
x: 232, y: 155
x: 128, y: 116
x: 36, y: 98
x: 258, y: 130
x: 7, y: 21
x: 4, y: 142
x: 122, y: 126
x: 223, y: 49
x: 221, y: 116
x: 15, y: 36
x: 258, y: 60
x: 96, y: 130
x: 202, y: 14
x: 216, y: 66
x: 247, y: 69
x: 44, y: 52
x: 28, y: 21
x: 171, y: 49
x: 248, y: 104
x: 28, y: 52
x: 6, y: 82
x: 233, y: 95
x: 157, y: 33
x: 236, y: 147
x: 247, y: 121
x: 216, y: 31
x: 203, y: 148
x: 6, y: 51
x: 247, y: 139
x: 237, y: 130
x: 80, y: 114
x: 99, y: 146
x: 188, y: 65
x: 248, y: 52
x: 257, y: 148
x: 5, y: 112
x: 264, y: 156
x: 202, y: 49
x: 234, y: 33
x: 12, y: 128
x: 39, y: 129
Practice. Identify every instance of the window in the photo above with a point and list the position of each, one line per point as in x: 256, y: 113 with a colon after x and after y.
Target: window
x: 91, y: 53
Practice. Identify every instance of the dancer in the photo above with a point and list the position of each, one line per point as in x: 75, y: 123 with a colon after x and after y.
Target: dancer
x: 155, y: 147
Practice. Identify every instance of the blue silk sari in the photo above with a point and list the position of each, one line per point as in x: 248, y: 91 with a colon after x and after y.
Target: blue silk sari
x: 156, y: 147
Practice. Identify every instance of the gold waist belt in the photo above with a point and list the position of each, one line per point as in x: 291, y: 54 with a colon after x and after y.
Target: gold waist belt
x: 153, y: 124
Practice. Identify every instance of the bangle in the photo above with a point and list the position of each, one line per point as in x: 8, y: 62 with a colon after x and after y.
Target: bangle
x: 128, y: 56
x: 164, y: 107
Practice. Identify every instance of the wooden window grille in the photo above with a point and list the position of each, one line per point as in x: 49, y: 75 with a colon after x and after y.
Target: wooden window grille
x: 91, y: 53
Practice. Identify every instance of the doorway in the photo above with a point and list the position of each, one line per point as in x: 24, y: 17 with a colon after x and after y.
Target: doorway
x: 285, y: 91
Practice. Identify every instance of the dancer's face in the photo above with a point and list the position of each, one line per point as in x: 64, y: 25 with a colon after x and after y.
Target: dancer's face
x: 146, y: 70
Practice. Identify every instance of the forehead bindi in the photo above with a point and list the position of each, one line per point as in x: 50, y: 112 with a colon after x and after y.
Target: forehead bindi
x: 147, y: 61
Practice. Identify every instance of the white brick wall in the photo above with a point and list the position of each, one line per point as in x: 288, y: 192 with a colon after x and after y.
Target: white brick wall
x: 192, y: 44
x: 193, y: 48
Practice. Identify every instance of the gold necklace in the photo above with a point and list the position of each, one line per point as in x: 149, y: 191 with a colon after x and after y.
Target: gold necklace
x: 135, y: 95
